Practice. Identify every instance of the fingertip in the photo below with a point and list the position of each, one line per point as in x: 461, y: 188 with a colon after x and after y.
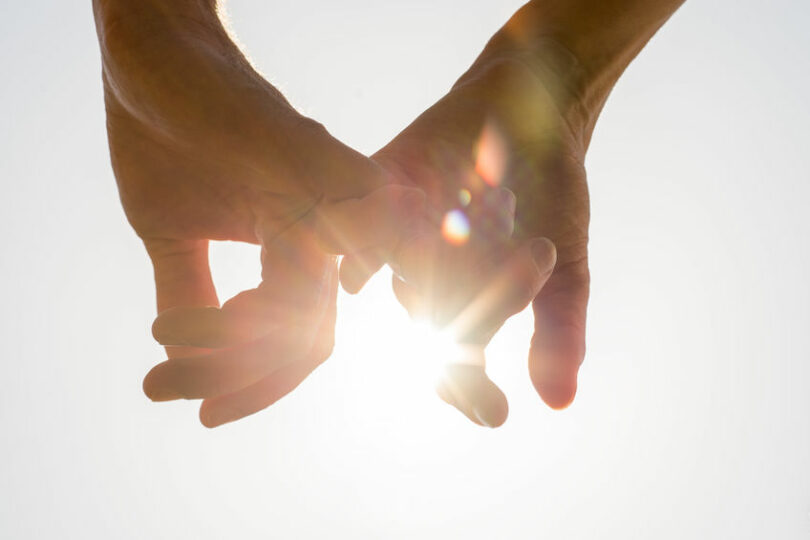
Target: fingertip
x: 450, y: 396
x: 161, y: 332
x: 351, y: 288
x: 147, y: 385
x: 555, y: 379
x: 207, y: 421
x: 468, y: 389
x: 210, y: 417
x: 558, y: 345
x: 181, y: 325
x: 356, y: 270
x: 494, y: 412
x: 154, y: 390
x: 556, y: 395
x: 350, y: 281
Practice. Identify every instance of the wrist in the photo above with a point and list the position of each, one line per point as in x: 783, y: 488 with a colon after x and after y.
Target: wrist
x: 559, y: 71
x: 166, y: 8
x: 584, y: 44
x: 136, y: 23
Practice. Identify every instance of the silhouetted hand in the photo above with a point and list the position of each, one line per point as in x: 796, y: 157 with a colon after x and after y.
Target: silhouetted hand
x: 203, y: 148
x: 504, y: 125
x: 522, y: 117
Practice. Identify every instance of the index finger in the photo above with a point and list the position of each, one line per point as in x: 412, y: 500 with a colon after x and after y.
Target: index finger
x: 377, y: 220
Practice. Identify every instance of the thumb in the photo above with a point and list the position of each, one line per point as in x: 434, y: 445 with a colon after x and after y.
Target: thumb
x: 558, y: 344
x: 182, y: 277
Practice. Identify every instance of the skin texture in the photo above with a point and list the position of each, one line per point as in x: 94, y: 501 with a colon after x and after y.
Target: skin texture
x: 543, y: 166
x: 203, y: 148
x: 532, y: 99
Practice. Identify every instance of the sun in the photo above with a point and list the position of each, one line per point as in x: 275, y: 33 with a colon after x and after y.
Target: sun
x: 380, y: 336
x: 436, y: 347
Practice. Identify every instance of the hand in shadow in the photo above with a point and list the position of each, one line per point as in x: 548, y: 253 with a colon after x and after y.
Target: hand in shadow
x: 502, y: 128
x: 204, y: 148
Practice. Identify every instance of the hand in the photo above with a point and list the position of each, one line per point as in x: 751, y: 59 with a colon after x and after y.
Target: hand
x: 467, y: 278
x: 204, y: 148
x: 262, y: 343
x: 508, y: 122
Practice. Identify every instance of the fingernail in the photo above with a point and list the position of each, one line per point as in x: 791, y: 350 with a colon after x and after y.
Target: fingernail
x: 509, y: 200
x: 557, y: 390
x: 544, y: 254
x: 159, y: 332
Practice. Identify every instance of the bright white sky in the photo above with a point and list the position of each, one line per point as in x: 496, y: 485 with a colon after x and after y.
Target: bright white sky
x: 693, y: 417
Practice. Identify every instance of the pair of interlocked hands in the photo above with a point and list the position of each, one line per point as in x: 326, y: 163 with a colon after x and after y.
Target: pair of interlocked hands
x: 480, y: 206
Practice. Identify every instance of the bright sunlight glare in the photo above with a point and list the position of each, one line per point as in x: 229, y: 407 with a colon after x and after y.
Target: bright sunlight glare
x: 456, y: 227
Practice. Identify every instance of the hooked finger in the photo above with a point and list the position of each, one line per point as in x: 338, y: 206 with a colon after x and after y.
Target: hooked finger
x: 357, y: 268
x: 469, y: 389
x: 226, y: 370
x: 509, y: 291
x: 227, y: 408
x: 377, y: 220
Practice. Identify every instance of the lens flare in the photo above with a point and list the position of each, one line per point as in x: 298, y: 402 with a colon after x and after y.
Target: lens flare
x: 490, y: 155
x: 442, y: 347
x: 456, y: 228
x: 464, y: 197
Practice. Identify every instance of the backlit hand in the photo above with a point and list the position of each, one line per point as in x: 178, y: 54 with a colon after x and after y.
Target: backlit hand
x: 203, y: 148
x: 505, y: 124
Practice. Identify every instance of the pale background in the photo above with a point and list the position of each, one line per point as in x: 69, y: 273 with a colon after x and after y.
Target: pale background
x: 693, y: 416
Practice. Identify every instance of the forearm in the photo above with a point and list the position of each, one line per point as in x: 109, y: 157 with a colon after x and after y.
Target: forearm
x: 114, y: 18
x: 172, y: 73
x: 135, y: 36
x: 586, y: 43
x: 163, y: 9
